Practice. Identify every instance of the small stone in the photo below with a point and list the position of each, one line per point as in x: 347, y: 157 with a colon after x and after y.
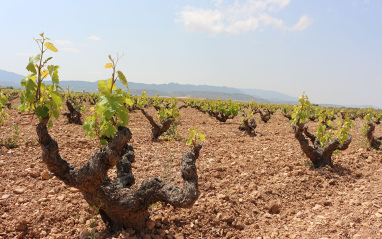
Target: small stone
x: 5, y: 196
x: 85, y: 234
x: 147, y: 236
x: 34, y: 173
x: 239, y: 226
x: 61, y: 198
x: 74, y: 190
x: 52, y: 192
x: 150, y: 224
x: 367, y: 204
x: 223, y: 196
x: 22, y: 224
x: 46, y: 175
x: 317, y: 207
x: 227, y: 218
x: 179, y: 236
x: 43, y: 233
x: 379, y: 215
x: 161, y: 232
x: 380, y: 210
x: 274, y: 208
x: 19, y: 190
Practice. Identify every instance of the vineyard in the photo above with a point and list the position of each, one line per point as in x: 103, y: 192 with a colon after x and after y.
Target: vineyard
x: 113, y: 165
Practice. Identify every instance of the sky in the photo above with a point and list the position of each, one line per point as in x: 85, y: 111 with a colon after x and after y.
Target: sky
x: 331, y: 50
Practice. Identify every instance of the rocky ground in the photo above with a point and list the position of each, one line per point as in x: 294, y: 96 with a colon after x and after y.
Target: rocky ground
x: 251, y: 187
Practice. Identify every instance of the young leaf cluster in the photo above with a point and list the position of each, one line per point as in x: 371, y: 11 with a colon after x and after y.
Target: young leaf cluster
x: 41, y: 99
x: 3, y: 102
x: 195, y: 136
x: 110, y: 112
x: 301, y: 112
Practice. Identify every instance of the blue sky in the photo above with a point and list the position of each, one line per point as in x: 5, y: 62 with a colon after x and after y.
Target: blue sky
x: 332, y: 50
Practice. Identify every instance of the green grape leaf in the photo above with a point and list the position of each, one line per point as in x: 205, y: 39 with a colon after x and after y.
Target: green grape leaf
x: 41, y: 111
x: 189, y: 141
x: 102, y: 87
x: 31, y: 65
x: 53, y: 71
x: 122, y: 78
x: 50, y: 46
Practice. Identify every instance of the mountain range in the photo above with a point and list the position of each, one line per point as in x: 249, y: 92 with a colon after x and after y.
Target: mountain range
x: 171, y: 89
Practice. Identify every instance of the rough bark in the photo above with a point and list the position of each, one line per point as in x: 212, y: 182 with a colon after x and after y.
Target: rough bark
x: 119, y: 206
x: 158, y: 129
x: 374, y: 142
x: 319, y: 156
x: 182, y: 106
x: 219, y: 116
x: 264, y: 116
x: 249, y: 127
x: 74, y: 116
x: 286, y: 114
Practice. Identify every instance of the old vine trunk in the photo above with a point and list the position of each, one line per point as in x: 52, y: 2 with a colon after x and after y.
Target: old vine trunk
x: 318, y: 155
x: 374, y: 142
x: 119, y: 206
x: 158, y: 129
x: 73, y: 116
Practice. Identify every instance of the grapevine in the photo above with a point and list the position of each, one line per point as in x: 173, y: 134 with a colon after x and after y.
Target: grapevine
x: 41, y: 99
x: 110, y: 111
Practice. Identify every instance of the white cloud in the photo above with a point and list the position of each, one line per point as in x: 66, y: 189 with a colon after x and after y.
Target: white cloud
x: 63, y: 42
x: 238, y: 17
x: 200, y: 20
x: 302, y: 24
x: 94, y: 38
x: 217, y: 2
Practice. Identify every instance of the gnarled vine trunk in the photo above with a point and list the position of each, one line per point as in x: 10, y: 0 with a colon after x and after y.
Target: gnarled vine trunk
x: 158, y: 129
x: 74, y: 116
x: 118, y: 204
x: 374, y: 142
x: 219, y: 116
x: 319, y: 156
x: 249, y: 127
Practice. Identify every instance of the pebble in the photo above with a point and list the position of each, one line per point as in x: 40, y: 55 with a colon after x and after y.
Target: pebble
x: 46, y: 175
x: 317, y: 207
x: 380, y: 210
x: 223, y: 197
x: 22, y: 224
x: 19, y: 190
x: 150, y: 224
x: 5, y: 196
x: 273, y: 208
x: 147, y: 236
x: 74, y: 190
x: 367, y: 204
x: 379, y: 215
x: 85, y: 234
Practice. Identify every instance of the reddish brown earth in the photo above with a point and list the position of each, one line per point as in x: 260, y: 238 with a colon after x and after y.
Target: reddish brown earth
x: 260, y: 187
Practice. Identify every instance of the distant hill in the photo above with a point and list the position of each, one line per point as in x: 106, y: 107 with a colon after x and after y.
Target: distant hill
x: 177, y: 90
x: 10, y: 79
x: 171, y: 89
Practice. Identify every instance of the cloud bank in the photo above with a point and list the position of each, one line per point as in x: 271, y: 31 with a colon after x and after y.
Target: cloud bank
x: 239, y: 17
